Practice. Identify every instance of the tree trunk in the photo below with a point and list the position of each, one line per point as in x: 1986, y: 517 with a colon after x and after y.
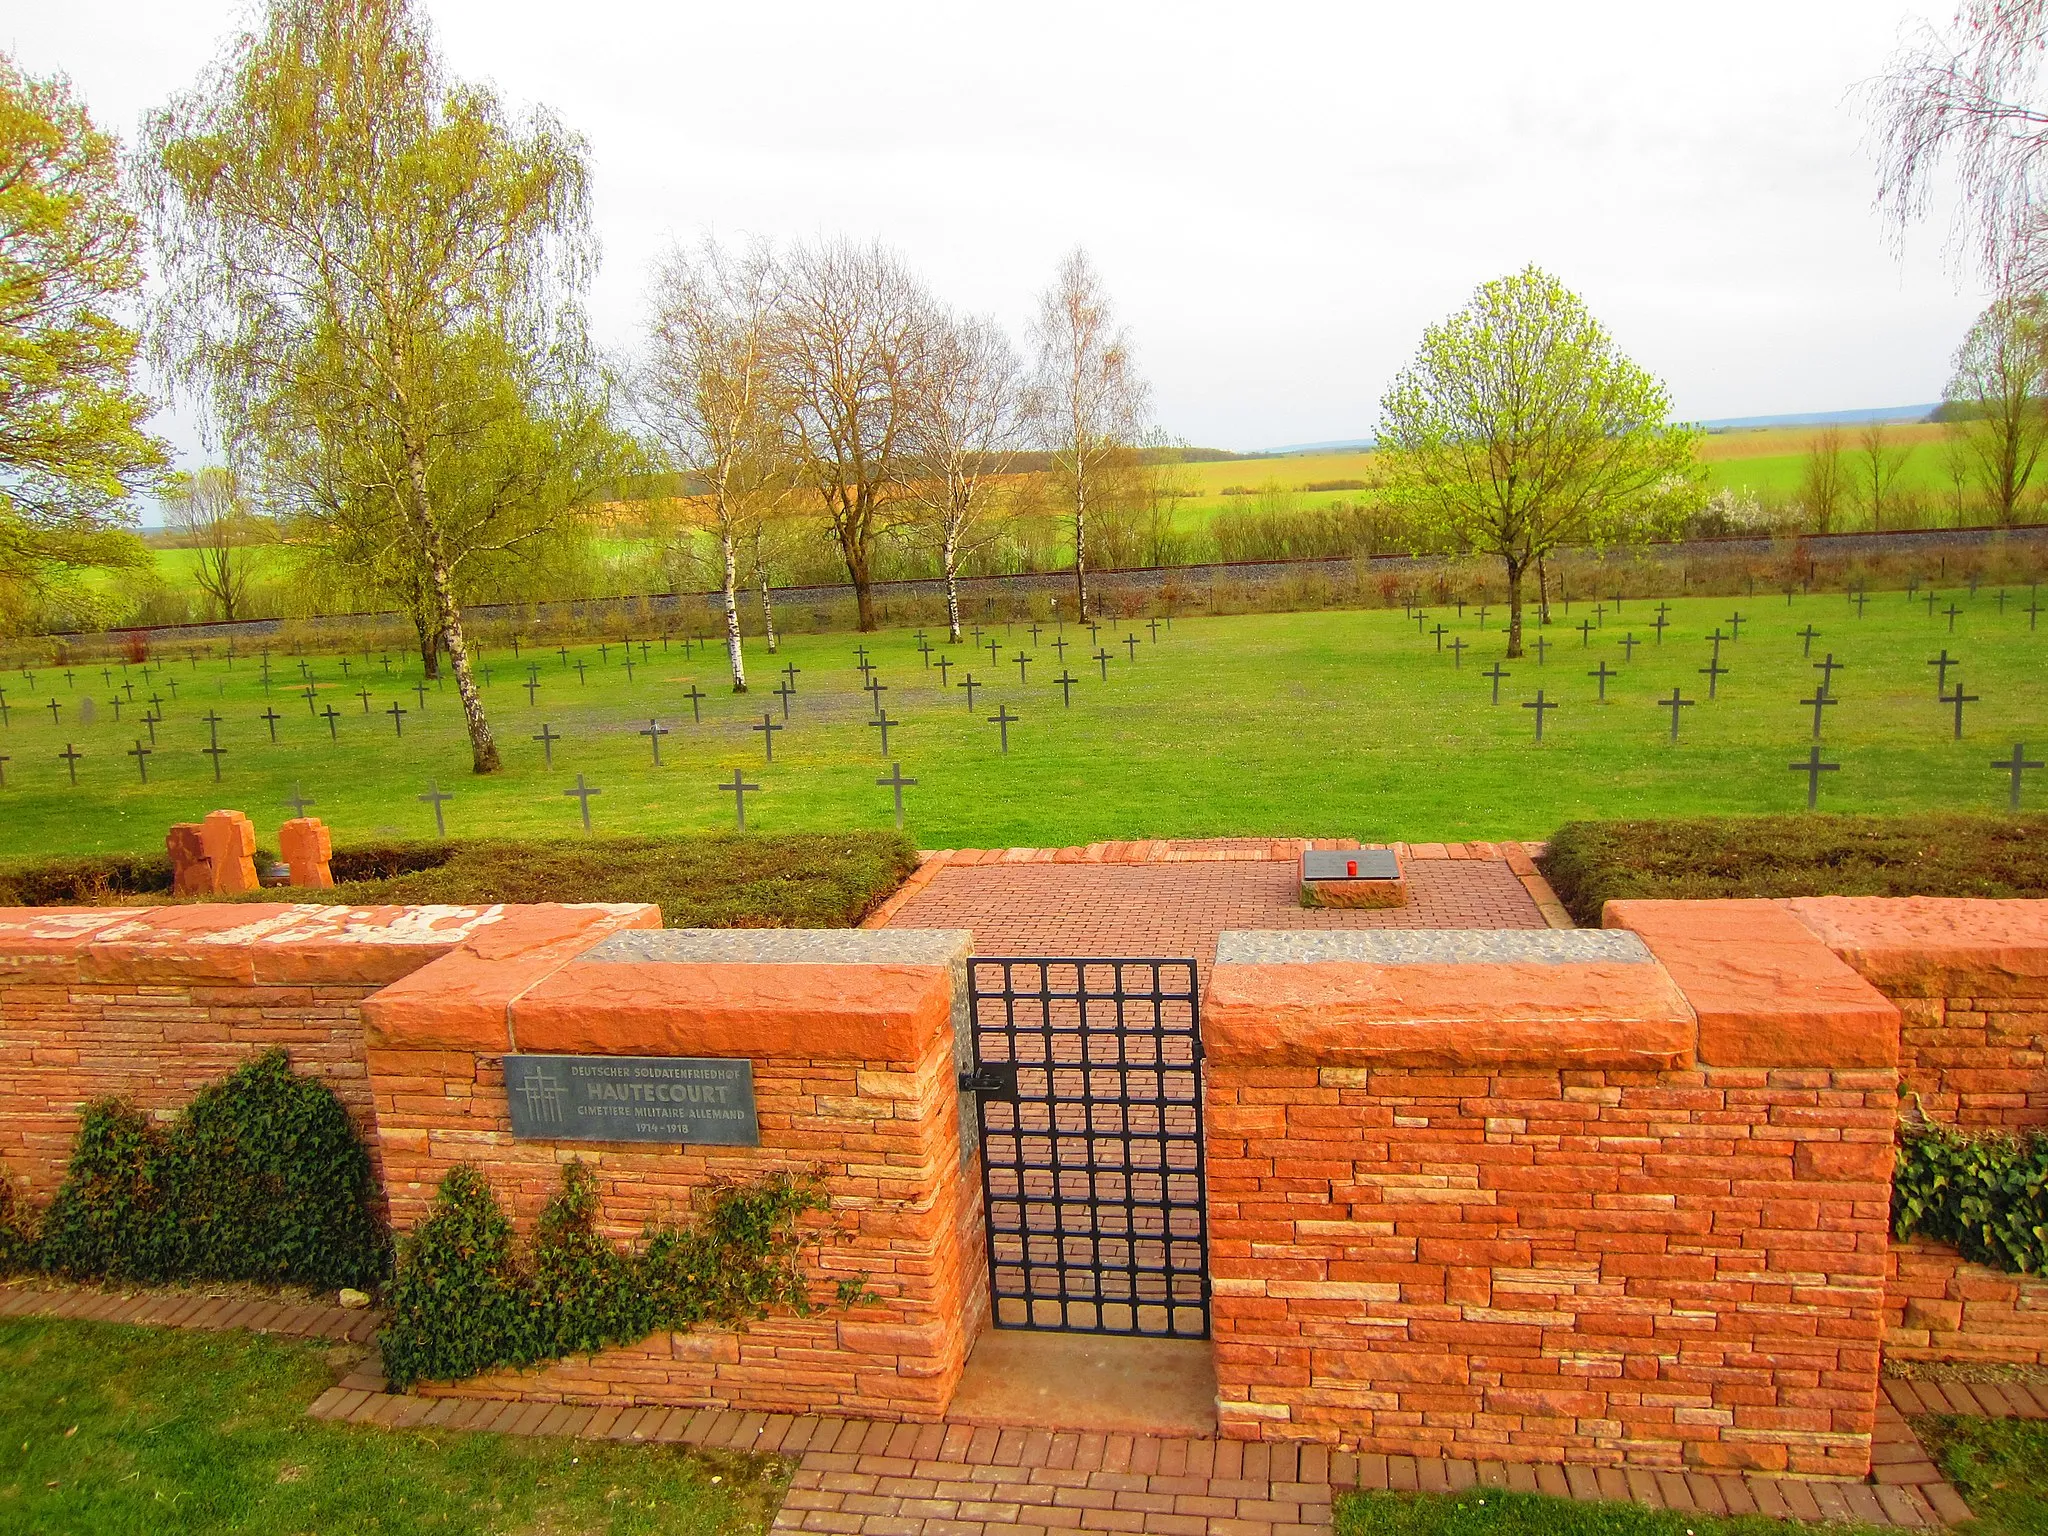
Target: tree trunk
x: 1542, y: 593
x: 732, y: 611
x: 1514, y: 609
x: 430, y: 639
x: 483, y: 750
x: 949, y: 558
x: 1080, y: 547
x: 767, y: 607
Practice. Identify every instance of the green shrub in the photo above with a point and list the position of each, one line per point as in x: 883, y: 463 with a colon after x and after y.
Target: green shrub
x: 1988, y: 1195
x: 463, y: 1303
x: 110, y: 1219
x: 17, y: 1235
x: 456, y: 1308
x: 271, y: 1183
x: 1590, y: 863
x: 261, y: 1177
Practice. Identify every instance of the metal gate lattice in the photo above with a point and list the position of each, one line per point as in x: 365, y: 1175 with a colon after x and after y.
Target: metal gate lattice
x: 1089, y: 1083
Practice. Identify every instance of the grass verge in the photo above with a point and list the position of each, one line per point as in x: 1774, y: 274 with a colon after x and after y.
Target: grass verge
x: 1497, y: 1512
x: 798, y: 880
x: 1591, y: 863
x: 113, y: 1430
x: 1999, y: 1466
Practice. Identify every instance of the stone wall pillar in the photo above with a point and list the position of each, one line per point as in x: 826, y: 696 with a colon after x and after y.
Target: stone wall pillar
x: 1521, y: 1196
x: 851, y: 1038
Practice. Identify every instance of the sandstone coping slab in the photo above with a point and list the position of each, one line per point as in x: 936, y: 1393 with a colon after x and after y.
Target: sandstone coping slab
x: 840, y: 994
x: 1445, y: 998
x: 253, y: 943
x: 1934, y: 946
x: 463, y: 1001
x: 1767, y: 991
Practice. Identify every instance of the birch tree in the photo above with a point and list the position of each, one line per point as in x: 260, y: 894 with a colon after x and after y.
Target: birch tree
x: 346, y: 234
x: 1520, y: 427
x: 967, y: 429
x: 855, y: 323
x: 1965, y: 109
x: 1087, y: 397
x: 711, y: 392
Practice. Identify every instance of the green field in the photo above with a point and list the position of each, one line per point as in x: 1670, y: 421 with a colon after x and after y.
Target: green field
x: 1769, y: 461
x: 1335, y: 724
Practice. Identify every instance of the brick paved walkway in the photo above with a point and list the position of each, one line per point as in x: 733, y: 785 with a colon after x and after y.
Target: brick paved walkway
x: 185, y: 1309
x: 1174, y: 898
x: 866, y: 1478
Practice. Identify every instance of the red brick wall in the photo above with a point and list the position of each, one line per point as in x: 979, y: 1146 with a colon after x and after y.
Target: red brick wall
x: 1971, y: 981
x: 853, y: 1080
x: 152, y: 1004
x: 1651, y: 1268
x: 1939, y: 1306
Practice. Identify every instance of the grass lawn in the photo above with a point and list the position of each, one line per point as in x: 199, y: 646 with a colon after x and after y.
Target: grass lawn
x: 1497, y: 1512
x: 1332, y: 724
x: 1999, y: 1466
x: 112, y: 1430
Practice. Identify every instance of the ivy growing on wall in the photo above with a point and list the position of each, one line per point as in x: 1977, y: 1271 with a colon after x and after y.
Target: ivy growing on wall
x: 1987, y: 1194
x: 466, y: 1301
x: 261, y: 1177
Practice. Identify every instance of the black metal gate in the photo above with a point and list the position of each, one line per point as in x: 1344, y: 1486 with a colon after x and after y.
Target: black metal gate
x: 1088, y: 1075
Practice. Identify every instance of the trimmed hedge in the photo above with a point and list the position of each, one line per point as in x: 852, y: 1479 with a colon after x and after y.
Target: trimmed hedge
x: 800, y: 880
x: 1590, y: 863
x: 261, y: 1177
x: 465, y: 1301
x: 1988, y: 1195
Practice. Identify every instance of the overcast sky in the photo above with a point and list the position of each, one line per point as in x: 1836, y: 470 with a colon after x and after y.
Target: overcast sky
x: 1280, y: 196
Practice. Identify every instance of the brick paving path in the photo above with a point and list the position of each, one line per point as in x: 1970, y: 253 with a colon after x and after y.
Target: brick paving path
x: 183, y: 1309
x: 866, y: 1478
x: 1174, y: 898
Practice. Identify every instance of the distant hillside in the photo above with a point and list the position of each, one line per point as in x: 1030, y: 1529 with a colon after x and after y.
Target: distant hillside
x: 1719, y: 424
x: 1825, y: 418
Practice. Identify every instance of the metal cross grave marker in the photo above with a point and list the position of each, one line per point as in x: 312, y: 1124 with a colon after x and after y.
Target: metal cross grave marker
x: 1813, y: 768
x: 2016, y: 765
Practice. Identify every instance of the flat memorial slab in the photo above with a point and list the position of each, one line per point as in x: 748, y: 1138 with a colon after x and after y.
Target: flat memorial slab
x: 1350, y: 864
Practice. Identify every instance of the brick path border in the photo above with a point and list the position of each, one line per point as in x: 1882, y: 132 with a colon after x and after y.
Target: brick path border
x: 182, y: 1309
x: 1519, y: 857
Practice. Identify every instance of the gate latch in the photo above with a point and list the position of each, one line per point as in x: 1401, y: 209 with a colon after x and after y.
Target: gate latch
x: 997, y: 1078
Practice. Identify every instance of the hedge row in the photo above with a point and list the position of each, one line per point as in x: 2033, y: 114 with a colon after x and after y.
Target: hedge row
x: 803, y: 880
x: 1591, y: 863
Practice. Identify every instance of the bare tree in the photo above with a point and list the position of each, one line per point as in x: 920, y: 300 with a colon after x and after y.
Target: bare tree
x: 1821, y: 479
x: 967, y: 429
x: 710, y: 391
x: 1879, y: 458
x: 1089, y: 402
x: 209, y: 509
x: 1971, y: 98
x: 1958, y: 466
x: 1999, y: 392
x: 855, y: 323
